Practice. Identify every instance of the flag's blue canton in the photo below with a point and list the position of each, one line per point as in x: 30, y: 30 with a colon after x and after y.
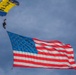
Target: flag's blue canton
x: 21, y: 43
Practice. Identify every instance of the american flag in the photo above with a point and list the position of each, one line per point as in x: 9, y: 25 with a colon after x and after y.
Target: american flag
x: 35, y: 53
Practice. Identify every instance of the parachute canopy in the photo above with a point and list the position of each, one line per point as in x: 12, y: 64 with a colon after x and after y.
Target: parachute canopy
x: 6, y: 5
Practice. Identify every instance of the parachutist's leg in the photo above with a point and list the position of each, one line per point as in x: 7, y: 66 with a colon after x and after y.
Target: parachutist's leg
x: 4, y: 27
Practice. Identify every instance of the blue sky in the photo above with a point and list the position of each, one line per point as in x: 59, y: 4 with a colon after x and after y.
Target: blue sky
x: 43, y: 19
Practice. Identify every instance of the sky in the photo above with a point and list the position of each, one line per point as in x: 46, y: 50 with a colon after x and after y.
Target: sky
x: 42, y: 19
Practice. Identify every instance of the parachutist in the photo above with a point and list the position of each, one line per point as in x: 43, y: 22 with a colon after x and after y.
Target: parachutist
x: 4, y: 24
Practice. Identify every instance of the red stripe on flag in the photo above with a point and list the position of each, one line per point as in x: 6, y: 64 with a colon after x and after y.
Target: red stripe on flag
x: 42, y: 58
x: 42, y: 64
